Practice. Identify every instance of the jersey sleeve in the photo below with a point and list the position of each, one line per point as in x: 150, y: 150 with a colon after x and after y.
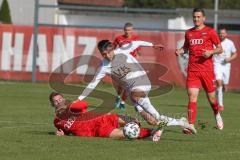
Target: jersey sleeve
x: 186, y: 43
x: 130, y: 47
x: 92, y: 85
x: 78, y: 106
x: 214, y: 37
x: 137, y: 39
x: 59, y: 125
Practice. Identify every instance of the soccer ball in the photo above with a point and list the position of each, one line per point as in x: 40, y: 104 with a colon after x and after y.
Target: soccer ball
x: 131, y: 130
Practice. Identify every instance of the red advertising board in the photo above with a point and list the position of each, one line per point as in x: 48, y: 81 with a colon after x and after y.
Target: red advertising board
x: 59, y: 45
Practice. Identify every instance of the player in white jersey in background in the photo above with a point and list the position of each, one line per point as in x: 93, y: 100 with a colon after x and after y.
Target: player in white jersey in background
x: 127, y: 72
x: 222, y: 65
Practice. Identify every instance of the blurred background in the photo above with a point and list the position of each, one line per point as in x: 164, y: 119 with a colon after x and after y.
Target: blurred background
x: 39, y: 36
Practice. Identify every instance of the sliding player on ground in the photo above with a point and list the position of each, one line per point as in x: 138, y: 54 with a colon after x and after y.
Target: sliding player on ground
x: 72, y: 118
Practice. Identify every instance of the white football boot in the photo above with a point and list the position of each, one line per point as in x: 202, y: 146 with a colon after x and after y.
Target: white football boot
x: 161, y: 124
x: 219, y: 121
x: 187, y: 128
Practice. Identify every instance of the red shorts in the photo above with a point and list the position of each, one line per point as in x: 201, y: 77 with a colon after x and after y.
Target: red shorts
x: 100, y: 126
x: 196, y: 79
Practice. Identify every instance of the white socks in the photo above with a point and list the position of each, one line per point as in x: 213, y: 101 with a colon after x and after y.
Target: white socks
x: 172, y: 121
x: 138, y: 107
x: 220, y: 96
x: 147, y: 106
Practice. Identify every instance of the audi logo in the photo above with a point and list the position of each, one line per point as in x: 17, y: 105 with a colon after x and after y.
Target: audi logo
x: 196, y: 41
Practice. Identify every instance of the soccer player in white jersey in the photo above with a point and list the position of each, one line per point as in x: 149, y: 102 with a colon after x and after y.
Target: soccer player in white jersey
x: 222, y: 65
x: 127, y: 72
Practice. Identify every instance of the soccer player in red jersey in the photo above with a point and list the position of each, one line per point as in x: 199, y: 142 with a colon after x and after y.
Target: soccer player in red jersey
x: 73, y: 118
x: 200, y: 41
x: 126, y: 38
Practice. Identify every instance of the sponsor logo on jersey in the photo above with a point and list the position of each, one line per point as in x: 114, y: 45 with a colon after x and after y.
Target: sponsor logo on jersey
x: 69, y: 123
x: 196, y: 41
x: 122, y: 71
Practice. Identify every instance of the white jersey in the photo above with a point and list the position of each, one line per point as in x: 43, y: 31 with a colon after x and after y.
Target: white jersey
x: 124, y: 69
x: 228, y: 48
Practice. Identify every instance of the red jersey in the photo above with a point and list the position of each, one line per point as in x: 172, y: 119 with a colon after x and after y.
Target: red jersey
x: 196, y: 41
x: 80, y: 123
x: 98, y: 126
x: 122, y: 39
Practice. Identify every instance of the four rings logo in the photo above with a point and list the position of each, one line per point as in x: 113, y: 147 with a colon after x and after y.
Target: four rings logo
x: 196, y: 41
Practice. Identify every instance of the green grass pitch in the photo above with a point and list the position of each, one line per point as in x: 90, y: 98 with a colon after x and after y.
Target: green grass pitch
x: 27, y: 132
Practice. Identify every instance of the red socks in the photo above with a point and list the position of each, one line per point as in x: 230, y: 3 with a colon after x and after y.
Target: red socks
x: 215, y: 107
x: 192, y: 112
x: 145, y: 132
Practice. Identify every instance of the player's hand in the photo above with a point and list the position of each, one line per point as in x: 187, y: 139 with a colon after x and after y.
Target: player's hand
x: 206, y: 53
x: 179, y: 52
x: 59, y: 132
x: 158, y: 46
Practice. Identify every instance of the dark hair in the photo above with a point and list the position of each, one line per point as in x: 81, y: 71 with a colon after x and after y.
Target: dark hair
x: 53, y: 94
x: 199, y: 10
x: 128, y: 24
x: 103, y: 44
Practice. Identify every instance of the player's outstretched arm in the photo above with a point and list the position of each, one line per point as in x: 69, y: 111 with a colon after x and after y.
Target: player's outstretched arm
x: 128, y: 48
x: 93, y: 84
x: 148, y: 44
x: 158, y: 46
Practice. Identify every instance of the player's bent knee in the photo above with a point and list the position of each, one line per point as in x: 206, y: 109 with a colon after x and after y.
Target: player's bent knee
x: 219, y: 83
x: 121, y: 121
x: 116, y: 133
x: 193, y: 94
x: 138, y: 93
x: 192, y: 98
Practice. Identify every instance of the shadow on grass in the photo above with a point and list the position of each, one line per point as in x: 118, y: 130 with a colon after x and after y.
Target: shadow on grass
x: 41, y: 132
x: 178, y: 140
x: 173, y: 105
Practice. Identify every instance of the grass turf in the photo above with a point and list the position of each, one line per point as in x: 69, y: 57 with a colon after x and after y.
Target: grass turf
x: 26, y: 130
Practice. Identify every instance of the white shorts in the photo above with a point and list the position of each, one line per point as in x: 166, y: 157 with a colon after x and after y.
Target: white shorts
x: 222, y: 72
x: 144, y: 88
